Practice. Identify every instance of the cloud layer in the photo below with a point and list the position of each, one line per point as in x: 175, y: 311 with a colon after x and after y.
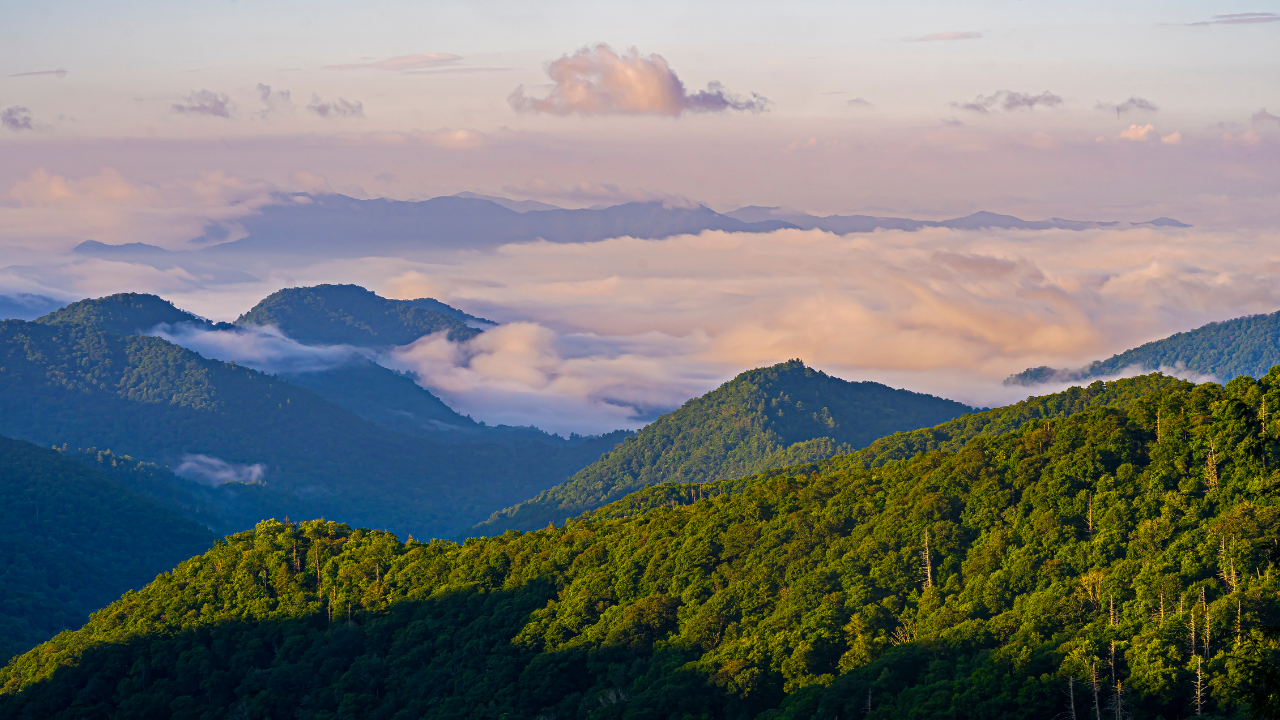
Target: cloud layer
x: 598, y: 81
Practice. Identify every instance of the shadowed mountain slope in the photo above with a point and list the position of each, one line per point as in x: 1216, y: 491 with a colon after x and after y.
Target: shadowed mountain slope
x: 1244, y: 346
x: 72, y: 540
x: 148, y: 398
x: 771, y: 417
x: 1052, y: 570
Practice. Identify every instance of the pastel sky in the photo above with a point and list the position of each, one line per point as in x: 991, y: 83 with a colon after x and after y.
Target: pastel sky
x: 862, y: 104
x: 144, y: 121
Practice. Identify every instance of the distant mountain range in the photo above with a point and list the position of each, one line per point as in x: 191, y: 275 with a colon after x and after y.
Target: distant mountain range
x: 842, y: 224
x: 27, y: 306
x: 83, y: 376
x: 1244, y: 346
x: 778, y: 416
x: 340, y: 226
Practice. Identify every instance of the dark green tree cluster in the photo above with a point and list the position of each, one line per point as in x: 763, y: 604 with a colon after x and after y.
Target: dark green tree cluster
x: 352, y: 315
x: 777, y: 416
x: 123, y: 314
x: 1117, y: 562
x: 1243, y: 346
x: 72, y: 540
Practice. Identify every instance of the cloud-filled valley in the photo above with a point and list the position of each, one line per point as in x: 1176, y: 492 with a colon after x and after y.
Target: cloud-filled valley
x: 604, y: 335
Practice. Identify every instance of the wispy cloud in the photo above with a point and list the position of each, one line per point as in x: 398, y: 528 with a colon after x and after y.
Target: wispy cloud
x: 860, y: 102
x: 1262, y: 116
x: 402, y: 62
x: 1133, y: 104
x: 209, y: 470
x: 598, y: 81
x: 60, y: 73
x: 205, y: 102
x: 1010, y: 101
x: 1249, y: 18
x: 966, y: 35
x: 16, y: 118
x: 336, y: 108
x: 952, y: 122
x: 274, y: 101
x: 456, y: 71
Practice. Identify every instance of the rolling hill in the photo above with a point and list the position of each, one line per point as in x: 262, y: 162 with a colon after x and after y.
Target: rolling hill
x: 1115, y: 561
x: 771, y: 417
x: 352, y: 315
x: 1244, y: 346
x: 71, y: 383
x: 73, y: 540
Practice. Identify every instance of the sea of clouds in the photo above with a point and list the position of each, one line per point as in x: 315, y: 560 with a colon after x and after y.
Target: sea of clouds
x: 598, y: 336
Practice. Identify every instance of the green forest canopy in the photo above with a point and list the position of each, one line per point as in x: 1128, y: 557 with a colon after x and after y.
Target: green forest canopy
x: 777, y: 416
x: 352, y: 315
x: 72, y: 540
x: 1117, y: 561
x: 1244, y: 346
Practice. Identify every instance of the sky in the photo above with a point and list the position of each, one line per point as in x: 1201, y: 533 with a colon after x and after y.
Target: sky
x: 145, y: 121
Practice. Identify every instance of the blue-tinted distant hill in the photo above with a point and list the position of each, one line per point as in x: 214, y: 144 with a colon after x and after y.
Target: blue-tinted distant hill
x: 1244, y: 346
x: 69, y: 379
x: 26, y: 306
x: 341, y: 226
x: 982, y: 220
x: 352, y: 315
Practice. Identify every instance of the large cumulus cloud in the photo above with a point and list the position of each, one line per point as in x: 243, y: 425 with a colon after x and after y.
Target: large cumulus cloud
x: 598, y: 81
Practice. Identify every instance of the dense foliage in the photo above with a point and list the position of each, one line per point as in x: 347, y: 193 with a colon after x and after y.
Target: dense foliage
x: 1243, y: 346
x: 122, y: 314
x: 72, y: 540
x: 770, y: 417
x: 1117, y: 562
x: 351, y: 315
x: 71, y: 384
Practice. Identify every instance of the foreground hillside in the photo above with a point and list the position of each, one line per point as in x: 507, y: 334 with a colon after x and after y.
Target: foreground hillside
x: 766, y: 418
x: 72, y: 540
x: 1116, y: 562
x: 1243, y: 346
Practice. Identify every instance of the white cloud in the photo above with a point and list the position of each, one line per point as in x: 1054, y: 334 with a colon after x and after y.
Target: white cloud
x: 262, y: 348
x: 209, y: 470
x: 1138, y: 133
x: 1174, y: 138
x: 598, y: 81
x: 526, y: 373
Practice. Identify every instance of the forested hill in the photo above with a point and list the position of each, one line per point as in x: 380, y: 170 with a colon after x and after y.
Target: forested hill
x: 1243, y: 346
x: 1116, y: 562
x: 71, y: 384
x: 770, y: 417
x: 352, y: 315
x: 122, y: 314
x: 72, y: 540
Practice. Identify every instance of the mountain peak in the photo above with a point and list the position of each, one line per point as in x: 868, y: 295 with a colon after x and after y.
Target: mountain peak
x: 121, y: 314
x: 353, y: 315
